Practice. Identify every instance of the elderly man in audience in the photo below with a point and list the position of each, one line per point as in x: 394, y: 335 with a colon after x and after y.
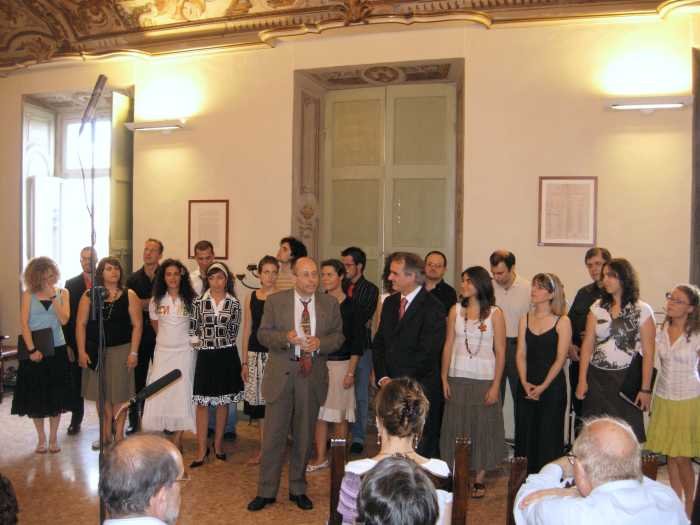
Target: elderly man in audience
x: 609, y: 486
x: 140, y: 481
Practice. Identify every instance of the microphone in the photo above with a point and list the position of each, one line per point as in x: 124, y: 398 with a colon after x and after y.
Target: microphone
x: 155, y: 387
x: 89, y: 113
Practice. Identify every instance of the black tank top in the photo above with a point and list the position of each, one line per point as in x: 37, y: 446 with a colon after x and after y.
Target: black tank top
x: 541, y: 352
x: 117, y: 322
x: 256, y: 313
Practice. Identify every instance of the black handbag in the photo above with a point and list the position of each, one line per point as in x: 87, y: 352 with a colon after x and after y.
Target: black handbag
x: 43, y: 342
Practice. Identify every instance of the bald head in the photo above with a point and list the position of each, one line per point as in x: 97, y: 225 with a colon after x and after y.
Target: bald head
x: 607, y: 450
x: 306, y: 273
x: 134, y: 472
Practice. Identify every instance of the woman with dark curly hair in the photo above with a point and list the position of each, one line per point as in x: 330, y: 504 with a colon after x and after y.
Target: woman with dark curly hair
x: 618, y: 327
x: 123, y: 324
x: 43, y: 382
x: 169, y: 310
x: 675, y: 422
x: 401, y: 408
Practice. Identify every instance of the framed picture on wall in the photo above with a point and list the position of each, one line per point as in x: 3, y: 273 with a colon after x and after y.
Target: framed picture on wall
x: 567, y: 211
x: 208, y: 220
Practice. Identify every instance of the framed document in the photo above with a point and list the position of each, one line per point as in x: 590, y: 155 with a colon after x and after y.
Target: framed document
x: 567, y: 211
x: 208, y: 220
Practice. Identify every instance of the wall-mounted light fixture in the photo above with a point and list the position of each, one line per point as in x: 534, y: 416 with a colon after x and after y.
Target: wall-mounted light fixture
x: 166, y: 126
x: 649, y: 104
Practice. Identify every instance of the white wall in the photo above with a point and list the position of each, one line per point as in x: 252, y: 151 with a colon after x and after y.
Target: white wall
x: 534, y: 107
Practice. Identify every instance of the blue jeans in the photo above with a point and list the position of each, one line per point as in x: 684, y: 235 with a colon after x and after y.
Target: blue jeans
x: 230, y: 423
x: 359, y: 427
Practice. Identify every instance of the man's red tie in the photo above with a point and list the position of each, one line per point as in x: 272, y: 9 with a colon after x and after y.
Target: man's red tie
x: 402, y: 307
x: 304, y: 358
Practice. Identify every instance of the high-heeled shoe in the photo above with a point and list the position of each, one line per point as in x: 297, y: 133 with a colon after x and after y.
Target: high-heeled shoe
x: 220, y: 457
x: 199, y: 462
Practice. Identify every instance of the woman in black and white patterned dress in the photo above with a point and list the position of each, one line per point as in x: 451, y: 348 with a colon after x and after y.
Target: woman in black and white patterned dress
x: 216, y: 317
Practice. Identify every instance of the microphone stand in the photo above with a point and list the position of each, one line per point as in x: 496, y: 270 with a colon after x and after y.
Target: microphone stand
x: 97, y: 293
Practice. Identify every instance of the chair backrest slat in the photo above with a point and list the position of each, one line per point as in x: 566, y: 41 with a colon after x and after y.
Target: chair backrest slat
x: 518, y: 473
x: 650, y: 467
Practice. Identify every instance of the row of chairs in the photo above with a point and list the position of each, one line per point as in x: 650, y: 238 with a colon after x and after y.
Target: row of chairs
x: 458, y: 481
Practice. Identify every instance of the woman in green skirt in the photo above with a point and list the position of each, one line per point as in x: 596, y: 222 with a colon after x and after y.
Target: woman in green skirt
x: 674, y: 428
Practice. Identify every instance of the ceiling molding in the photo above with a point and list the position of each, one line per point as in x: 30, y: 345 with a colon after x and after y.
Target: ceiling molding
x: 47, y: 31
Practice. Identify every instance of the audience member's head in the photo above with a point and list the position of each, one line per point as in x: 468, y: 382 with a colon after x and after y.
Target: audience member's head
x: 595, y: 258
x: 387, y: 285
x: 8, y: 502
x: 88, y: 259
x: 355, y: 260
x: 172, y: 274
x: 40, y: 273
x: 306, y: 273
x: 140, y: 477
x: 290, y: 250
x: 476, y: 283
x: 406, y: 271
x: 109, y: 271
x: 401, y: 408
x: 397, y: 492
x: 502, y: 264
x: 605, y: 450
x: 619, y: 277
x: 152, y: 251
x: 684, y: 302
x: 554, y: 290
x: 204, y: 255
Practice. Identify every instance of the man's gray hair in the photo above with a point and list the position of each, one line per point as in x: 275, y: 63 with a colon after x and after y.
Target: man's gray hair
x: 133, y: 471
x: 413, y: 263
x: 603, y: 464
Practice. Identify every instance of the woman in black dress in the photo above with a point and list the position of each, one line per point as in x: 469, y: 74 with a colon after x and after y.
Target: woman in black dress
x: 254, y: 354
x: 216, y: 317
x: 544, y: 338
x: 43, y: 382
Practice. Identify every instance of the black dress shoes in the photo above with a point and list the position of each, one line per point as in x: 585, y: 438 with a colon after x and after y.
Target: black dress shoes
x: 302, y: 501
x: 259, y: 503
x: 73, y: 429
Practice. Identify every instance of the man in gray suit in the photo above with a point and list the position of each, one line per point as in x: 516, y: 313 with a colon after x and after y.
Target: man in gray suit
x: 299, y: 327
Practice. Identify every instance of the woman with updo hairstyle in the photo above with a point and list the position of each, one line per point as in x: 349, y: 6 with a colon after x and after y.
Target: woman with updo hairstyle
x: 674, y: 429
x: 43, y: 381
x: 401, y: 408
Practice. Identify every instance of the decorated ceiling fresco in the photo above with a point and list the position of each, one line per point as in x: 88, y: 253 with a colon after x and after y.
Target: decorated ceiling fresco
x: 38, y: 31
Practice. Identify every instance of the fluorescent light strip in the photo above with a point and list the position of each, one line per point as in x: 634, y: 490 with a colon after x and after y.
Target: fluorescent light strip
x: 642, y: 107
x: 157, y: 125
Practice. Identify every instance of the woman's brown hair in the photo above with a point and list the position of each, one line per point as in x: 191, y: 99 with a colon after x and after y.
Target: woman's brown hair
x: 35, y: 271
x: 112, y: 261
x: 401, y: 407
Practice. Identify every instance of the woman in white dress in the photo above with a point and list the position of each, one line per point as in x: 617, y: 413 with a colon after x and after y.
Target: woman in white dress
x: 170, y: 308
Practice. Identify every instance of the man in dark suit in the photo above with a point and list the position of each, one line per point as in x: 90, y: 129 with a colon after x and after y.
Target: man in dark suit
x: 299, y: 327
x: 76, y: 287
x: 410, y: 338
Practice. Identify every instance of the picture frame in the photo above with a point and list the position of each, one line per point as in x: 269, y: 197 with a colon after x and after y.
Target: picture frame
x: 567, y: 211
x: 208, y: 220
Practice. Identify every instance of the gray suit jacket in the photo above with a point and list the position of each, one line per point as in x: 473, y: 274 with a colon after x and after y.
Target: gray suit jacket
x: 277, y: 320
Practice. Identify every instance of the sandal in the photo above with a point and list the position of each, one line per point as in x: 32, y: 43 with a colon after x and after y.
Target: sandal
x: 319, y: 466
x: 54, y: 449
x: 478, y: 490
x: 40, y: 449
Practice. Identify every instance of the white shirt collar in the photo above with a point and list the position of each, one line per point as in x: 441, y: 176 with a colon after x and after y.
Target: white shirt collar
x: 410, y: 297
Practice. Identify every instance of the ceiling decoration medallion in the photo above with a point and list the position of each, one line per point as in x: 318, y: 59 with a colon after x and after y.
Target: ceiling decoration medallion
x: 34, y: 31
x: 382, y: 75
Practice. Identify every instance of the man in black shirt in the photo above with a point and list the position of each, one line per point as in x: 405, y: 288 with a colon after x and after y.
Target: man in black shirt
x: 365, y: 295
x: 595, y: 258
x: 435, y: 268
x: 141, y: 282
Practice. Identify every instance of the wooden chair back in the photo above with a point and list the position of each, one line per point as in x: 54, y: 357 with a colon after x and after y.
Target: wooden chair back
x: 518, y: 473
x: 457, y: 482
x: 650, y: 467
x: 695, y: 515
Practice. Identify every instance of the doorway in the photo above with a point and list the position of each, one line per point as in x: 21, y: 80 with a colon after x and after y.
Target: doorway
x: 379, y: 166
x: 57, y: 162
